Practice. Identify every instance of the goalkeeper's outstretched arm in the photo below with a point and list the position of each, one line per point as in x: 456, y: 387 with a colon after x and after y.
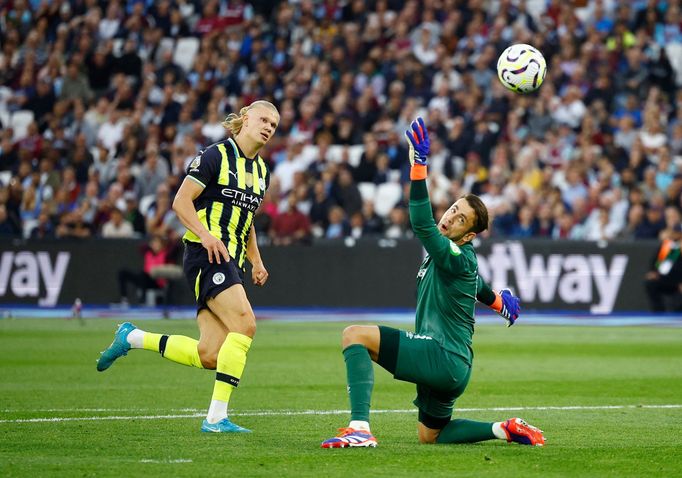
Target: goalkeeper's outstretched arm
x: 421, y: 214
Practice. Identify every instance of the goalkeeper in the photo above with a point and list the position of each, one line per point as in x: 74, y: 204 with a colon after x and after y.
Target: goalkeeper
x: 437, y: 357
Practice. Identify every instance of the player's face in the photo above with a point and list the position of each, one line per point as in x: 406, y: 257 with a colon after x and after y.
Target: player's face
x: 457, y: 221
x: 260, y: 124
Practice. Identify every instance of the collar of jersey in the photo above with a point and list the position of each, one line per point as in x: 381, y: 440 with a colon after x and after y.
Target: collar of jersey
x: 238, y: 151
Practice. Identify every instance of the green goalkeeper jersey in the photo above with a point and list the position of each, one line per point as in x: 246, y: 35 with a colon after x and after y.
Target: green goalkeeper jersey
x: 447, y: 281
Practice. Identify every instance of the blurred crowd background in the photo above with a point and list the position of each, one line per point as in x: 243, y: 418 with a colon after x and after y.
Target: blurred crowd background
x: 104, y: 103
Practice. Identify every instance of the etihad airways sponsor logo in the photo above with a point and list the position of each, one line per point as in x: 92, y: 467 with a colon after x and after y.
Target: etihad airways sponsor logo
x: 242, y: 199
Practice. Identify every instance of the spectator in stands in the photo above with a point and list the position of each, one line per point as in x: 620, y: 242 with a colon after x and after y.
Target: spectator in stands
x: 153, y: 173
x: 98, y: 107
x: 290, y: 226
x: 367, y: 169
x: 338, y: 226
x: 72, y: 225
x: 132, y: 213
x: 44, y: 229
x: 154, y: 253
x: 398, y: 226
x: 652, y: 224
x: 373, y: 224
x: 664, y: 281
x: 673, y: 218
x: 525, y: 225
x: 346, y: 192
x: 117, y: 227
x: 8, y: 226
x: 75, y: 84
x: 43, y: 101
x: 157, y: 212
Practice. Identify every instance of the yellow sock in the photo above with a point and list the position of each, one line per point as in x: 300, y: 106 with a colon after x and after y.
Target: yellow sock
x: 177, y: 348
x: 231, y: 362
x: 151, y: 341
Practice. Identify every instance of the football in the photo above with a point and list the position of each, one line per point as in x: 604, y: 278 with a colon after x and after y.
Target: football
x: 521, y: 68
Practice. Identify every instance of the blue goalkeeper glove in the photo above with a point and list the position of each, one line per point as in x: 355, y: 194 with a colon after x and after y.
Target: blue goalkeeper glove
x: 507, y: 305
x: 418, y: 142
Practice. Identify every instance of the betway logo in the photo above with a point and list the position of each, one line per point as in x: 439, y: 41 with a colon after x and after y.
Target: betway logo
x: 22, y: 273
x: 569, y: 276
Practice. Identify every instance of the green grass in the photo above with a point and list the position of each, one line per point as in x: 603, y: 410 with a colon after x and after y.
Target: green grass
x: 48, y: 370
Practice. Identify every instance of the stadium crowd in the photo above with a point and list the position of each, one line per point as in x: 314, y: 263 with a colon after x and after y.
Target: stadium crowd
x: 103, y: 104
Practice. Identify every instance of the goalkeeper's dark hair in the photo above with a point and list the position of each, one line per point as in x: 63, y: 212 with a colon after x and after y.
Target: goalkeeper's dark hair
x: 481, y: 221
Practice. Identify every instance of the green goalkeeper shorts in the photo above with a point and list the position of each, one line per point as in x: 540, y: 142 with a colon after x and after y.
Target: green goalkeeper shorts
x: 440, y: 376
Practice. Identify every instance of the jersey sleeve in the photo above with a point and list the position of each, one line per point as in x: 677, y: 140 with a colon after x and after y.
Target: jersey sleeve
x: 484, y: 293
x: 445, y: 253
x: 205, y: 166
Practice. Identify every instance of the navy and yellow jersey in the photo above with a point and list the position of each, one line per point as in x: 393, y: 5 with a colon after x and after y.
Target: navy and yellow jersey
x: 234, y: 187
x: 447, y: 281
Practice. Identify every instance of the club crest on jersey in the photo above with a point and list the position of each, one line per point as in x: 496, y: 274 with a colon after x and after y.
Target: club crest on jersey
x: 261, y: 183
x: 218, y: 278
x: 454, y: 249
x: 194, y: 165
x: 249, y: 179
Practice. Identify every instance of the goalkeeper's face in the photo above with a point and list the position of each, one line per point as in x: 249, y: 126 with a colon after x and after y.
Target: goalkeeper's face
x: 457, y: 222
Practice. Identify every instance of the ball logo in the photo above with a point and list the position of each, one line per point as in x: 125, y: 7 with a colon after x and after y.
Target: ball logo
x: 218, y: 278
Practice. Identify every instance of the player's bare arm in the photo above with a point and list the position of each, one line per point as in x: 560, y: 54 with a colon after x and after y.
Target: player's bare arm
x: 259, y: 273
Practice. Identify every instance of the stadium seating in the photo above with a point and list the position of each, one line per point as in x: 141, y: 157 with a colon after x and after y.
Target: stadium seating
x: 367, y: 191
x: 185, y: 52
x: 386, y: 197
x: 674, y: 52
x: 19, y: 122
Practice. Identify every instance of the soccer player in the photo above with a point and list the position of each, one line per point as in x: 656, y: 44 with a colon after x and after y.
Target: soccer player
x: 217, y: 201
x: 437, y: 357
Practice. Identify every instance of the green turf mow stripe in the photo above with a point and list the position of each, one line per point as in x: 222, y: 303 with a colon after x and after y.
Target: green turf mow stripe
x: 265, y: 413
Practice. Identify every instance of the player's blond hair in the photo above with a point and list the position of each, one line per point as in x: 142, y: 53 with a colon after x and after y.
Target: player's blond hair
x: 235, y: 121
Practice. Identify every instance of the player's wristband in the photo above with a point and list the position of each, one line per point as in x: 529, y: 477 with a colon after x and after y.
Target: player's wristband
x: 418, y: 171
x: 497, y: 303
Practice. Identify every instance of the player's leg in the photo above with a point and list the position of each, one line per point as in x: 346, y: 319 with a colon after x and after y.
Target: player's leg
x: 234, y: 311
x: 435, y: 411
x: 514, y: 430
x: 440, y: 376
x: 438, y: 429
x: 436, y: 400
x: 212, y: 336
x: 360, y: 346
x: 436, y: 406
x: 177, y: 348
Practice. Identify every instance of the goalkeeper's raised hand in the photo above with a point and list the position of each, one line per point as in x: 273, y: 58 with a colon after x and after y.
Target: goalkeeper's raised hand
x: 507, y: 305
x: 419, y: 148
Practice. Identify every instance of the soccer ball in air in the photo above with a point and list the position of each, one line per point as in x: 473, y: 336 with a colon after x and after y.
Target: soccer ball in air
x: 521, y: 68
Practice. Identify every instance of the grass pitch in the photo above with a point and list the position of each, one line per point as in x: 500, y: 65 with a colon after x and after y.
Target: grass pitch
x: 598, y: 393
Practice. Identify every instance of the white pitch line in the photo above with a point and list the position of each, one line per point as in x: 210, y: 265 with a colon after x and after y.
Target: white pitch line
x: 74, y: 410
x: 179, y: 460
x: 270, y: 413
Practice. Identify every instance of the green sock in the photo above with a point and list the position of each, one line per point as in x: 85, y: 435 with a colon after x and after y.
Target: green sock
x: 360, y: 376
x: 466, y: 431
